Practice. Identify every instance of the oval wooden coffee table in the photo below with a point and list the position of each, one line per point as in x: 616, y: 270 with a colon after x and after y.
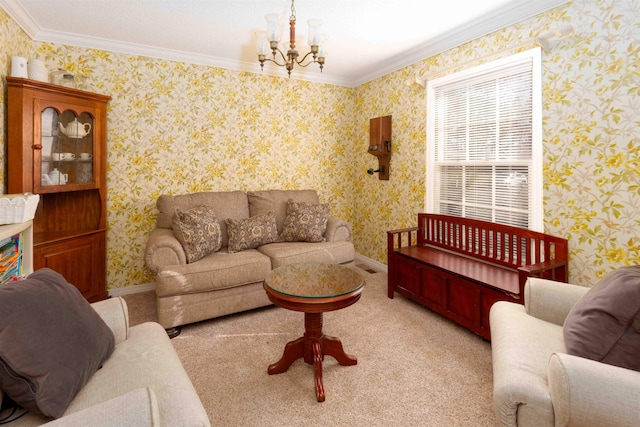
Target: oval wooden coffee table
x: 313, y: 289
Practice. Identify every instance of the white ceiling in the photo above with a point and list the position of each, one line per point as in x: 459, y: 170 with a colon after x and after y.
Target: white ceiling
x: 367, y: 38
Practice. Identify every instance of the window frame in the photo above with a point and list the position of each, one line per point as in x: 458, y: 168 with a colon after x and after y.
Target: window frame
x: 536, y: 202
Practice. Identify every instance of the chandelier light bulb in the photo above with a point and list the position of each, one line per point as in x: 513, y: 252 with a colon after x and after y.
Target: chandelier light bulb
x: 314, y: 32
x: 262, y: 42
x: 322, y: 51
x: 274, y: 29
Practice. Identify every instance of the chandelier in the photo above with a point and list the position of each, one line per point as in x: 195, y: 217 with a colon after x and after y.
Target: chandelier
x: 271, y: 39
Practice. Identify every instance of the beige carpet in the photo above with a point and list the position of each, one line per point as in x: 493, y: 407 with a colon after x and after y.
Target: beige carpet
x: 414, y: 368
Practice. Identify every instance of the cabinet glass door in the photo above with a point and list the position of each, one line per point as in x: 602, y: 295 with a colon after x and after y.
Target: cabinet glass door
x: 67, y: 148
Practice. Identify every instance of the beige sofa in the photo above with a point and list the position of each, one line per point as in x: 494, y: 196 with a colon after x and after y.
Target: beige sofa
x: 223, y: 283
x: 142, y: 383
x: 536, y: 383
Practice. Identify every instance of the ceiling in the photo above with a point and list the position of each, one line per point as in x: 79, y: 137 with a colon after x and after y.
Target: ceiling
x: 367, y: 38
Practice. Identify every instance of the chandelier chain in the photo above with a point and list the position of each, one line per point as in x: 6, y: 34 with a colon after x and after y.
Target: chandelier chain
x: 293, y: 12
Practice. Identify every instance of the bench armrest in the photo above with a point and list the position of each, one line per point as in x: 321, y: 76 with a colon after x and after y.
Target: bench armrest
x: 400, y: 238
x: 115, y: 314
x: 337, y: 230
x: 588, y: 393
x: 163, y: 249
x: 397, y: 239
x: 402, y: 230
x: 553, y: 269
x: 549, y: 300
x: 135, y: 408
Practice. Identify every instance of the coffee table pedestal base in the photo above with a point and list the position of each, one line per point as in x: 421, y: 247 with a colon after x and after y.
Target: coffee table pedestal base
x: 312, y: 347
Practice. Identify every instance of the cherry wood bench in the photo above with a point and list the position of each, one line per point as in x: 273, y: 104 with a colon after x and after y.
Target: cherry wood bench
x: 459, y: 267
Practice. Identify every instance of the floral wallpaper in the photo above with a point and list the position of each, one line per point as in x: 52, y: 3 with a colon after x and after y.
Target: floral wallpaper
x: 591, y: 135
x: 178, y: 127
x: 13, y: 42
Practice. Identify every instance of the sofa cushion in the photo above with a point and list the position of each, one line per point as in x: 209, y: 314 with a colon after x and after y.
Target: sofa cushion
x: 198, y: 231
x: 285, y: 253
x: 604, y: 325
x: 226, y: 204
x: 220, y: 270
x: 305, y: 222
x: 261, y: 202
x: 249, y: 233
x: 51, y: 342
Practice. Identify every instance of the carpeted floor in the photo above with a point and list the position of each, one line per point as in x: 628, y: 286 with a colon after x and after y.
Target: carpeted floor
x: 414, y: 368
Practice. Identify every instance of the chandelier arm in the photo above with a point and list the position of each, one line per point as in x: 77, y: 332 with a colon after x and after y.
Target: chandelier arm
x: 307, y: 64
x: 282, y: 55
x: 275, y: 62
x: 299, y: 62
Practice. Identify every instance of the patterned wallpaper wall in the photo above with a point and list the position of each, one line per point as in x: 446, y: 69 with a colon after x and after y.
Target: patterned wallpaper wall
x: 177, y: 127
x: 13, y: 42
x: 591, y: 133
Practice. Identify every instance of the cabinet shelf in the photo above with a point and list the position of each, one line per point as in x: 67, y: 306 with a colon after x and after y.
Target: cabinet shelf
x: 46, y: 237
x: 25, y: 232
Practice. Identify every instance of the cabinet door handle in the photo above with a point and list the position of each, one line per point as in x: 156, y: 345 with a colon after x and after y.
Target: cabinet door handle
x: 37, y: 147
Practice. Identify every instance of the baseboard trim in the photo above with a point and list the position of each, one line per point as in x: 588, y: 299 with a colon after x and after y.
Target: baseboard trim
x: 117, y: 292
x: 372, y: 263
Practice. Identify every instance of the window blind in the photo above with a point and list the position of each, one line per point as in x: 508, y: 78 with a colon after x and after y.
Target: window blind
x: 482, y: 135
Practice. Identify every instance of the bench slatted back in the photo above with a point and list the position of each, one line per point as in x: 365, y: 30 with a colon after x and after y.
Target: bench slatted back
x: 500, y: 244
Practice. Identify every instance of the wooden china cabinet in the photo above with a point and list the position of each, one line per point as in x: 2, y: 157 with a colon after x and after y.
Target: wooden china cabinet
x: 57, y: 149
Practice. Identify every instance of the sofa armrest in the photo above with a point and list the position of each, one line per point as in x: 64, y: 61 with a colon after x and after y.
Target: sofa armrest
x: 588, y: 393
x: 115, y: 314
x: 136, y: 408
x: 163, y: 249
x: 549, y: 300
x: 337, y: 230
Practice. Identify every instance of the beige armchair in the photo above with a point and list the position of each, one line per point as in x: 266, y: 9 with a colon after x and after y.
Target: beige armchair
x: 535, y: 383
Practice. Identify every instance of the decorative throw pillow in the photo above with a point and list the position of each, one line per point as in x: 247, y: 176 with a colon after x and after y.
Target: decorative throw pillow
x: 604, y: 325
x: 51, y: 342
x: 305, y: 222
x: 198, y: 231
x: 249, y: 233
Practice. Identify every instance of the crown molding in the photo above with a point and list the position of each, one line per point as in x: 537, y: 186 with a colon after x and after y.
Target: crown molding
x: 178, y: 56
x: 488, y: 23
x: 15, y: 10
x: 21, y: 16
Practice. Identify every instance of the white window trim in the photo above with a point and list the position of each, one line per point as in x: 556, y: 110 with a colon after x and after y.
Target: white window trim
x: 536, y: 215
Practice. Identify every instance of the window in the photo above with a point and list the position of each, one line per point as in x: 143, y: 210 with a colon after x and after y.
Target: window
x: 484, y: 144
